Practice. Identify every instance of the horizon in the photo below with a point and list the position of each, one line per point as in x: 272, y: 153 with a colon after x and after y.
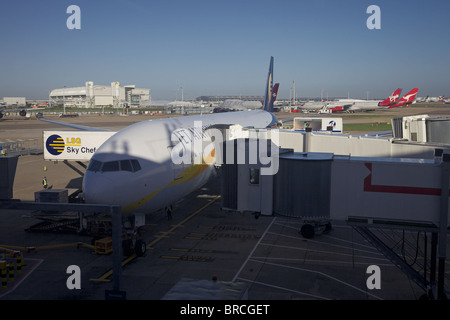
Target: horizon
x: 223, y: 48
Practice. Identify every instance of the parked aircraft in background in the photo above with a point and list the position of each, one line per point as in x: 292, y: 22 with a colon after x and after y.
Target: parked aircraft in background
x: 352, y: 105
x: 241, y: 105
x: 406, y: 100
x: 22, y: 111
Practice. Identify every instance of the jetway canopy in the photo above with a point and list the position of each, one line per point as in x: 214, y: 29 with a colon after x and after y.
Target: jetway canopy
x: 373, y: 190
x: 382, y: 190
x: 73, y: 145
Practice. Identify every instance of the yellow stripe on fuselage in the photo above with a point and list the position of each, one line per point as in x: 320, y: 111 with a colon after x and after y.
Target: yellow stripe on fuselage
x: 190, y: 173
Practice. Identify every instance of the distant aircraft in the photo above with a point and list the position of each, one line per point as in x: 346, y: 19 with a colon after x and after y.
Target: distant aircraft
x: 351, y: 105
x: 444, y: 99
x: 240, y: 105
x: 373, y: 105
x: 134, y: 168
x: 392, y: 98
x: 406, y: 100
x: 22, y: 111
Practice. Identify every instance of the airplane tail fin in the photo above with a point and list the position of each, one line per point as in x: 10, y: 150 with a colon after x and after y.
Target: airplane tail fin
x: 410, y: 96
x: 392, y: 98
x: 268, y: 99
x: 275, y: 91
x: 406, y: 99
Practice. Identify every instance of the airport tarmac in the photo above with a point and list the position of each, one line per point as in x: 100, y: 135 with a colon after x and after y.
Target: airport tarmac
x: 266, y: 257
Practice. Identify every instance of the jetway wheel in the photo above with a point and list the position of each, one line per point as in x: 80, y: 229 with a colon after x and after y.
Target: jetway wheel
x: 127, y: 247
x: 307, y: 231
x: 140, y: 247
x: 327, y: 227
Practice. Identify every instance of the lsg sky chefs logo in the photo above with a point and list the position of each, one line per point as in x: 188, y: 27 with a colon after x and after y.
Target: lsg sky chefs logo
x: 55, y: 144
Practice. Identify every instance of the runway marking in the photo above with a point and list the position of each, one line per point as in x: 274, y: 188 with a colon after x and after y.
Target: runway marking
x: 331, y: 237
x: 351, y: 242
x: 254, y: 248
x: 181, y: 223
x: 321, y: 251
x: 159, y: 238
x: 325, y: 243
x: 190, y: 258
x: 320, y: 273
x: 203, y: 251
x: 325, y: 261
x: 282, y: 288
x: 265, y: 262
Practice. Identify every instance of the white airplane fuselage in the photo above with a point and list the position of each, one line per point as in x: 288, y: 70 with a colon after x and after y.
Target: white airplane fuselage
x: 135, y: 168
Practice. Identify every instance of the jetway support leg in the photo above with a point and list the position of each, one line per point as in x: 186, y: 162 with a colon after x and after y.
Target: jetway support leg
x: 392, y: 256
x: 443, y: 221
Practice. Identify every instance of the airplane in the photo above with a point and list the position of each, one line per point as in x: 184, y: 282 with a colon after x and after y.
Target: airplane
x: 22, y: 111
x: 352, y: 105
x: 444, y: 99
x: 406, y: 100
x: 240, y: 105
x: 392, y: 98
x: 135, y: 167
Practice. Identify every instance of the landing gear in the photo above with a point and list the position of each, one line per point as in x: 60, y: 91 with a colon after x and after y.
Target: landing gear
x: 134, y: 246
x: 131, y: 243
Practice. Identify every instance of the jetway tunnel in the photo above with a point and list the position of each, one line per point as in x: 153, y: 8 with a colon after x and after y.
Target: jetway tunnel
x: 368, y: 193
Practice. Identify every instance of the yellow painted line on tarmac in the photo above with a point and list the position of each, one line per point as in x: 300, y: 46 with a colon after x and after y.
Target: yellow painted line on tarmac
x: 55, y: 246
x: 176, y: 249
x: 104, y: 277
x: 151, y: 244
x: 170, y: 257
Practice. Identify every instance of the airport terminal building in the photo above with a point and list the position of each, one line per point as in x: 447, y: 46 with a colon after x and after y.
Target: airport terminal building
x: 94, y: 96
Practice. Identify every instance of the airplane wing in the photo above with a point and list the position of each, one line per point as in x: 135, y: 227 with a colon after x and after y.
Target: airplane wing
x: 74, y: 126
x: 22, y: 111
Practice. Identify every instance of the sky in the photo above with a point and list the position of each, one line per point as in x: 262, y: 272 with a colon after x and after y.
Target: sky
x: 217, y: 47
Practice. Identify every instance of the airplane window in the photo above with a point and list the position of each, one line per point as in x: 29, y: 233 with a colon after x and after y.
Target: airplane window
x: 125, y: 165
x: 95, y: 165
x: 110, y: 166
x: 136, y: 165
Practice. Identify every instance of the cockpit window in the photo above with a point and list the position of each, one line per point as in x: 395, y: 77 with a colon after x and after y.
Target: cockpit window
x: 131, y: 165
x: 125, y: 165
x: 95, y: 166
x: 110, y: 166
x: 136, y: 165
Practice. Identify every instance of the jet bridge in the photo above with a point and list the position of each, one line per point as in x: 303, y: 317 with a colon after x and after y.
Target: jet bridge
x: 369, y: 193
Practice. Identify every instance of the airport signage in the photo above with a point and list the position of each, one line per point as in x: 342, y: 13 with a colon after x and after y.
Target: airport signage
x: 73, y: 145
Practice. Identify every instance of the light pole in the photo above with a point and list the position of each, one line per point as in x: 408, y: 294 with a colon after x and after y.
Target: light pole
x: 64, y: 100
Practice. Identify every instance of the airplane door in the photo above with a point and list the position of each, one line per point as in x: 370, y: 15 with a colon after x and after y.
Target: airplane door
x: 180, y: 153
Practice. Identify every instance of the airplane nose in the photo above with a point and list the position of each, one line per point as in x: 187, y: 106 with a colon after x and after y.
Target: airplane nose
x: 98, y: 189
